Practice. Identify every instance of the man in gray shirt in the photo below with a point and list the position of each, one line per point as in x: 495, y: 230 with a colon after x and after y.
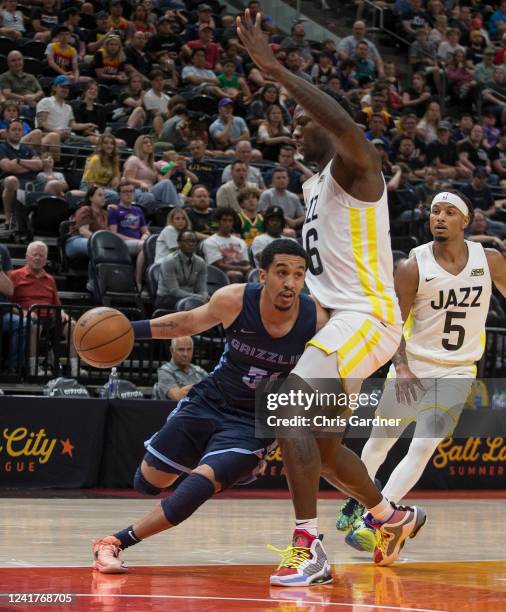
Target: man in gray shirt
x: 348, y: 45
x: 183, y: 274
x: 279, y: 195
x: 176, y: 378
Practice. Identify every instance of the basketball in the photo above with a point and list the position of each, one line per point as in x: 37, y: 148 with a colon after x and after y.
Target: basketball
x: 103, y: 337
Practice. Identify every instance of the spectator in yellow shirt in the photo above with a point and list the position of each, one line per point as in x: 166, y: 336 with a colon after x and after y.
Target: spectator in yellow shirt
x: 102, y: 168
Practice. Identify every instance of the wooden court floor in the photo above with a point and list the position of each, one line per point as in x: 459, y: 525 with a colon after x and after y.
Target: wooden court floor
x: 218, y: 559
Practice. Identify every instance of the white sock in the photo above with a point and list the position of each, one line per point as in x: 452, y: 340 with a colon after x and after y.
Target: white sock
x: 74, y: 367
x: 32, y: 365
x: 309, y: 525
x: 410, y: 469
x: 383, y: 511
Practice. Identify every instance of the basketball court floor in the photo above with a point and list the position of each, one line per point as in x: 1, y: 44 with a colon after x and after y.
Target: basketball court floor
x: 218, y: 560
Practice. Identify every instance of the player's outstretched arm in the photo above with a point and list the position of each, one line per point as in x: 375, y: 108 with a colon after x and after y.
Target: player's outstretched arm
x: 352, y: 147
x: 497, y: 267
x: 223, y: 307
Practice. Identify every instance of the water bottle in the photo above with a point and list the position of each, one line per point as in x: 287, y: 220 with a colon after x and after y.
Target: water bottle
x: 167, y: 168
x: 112, y: 389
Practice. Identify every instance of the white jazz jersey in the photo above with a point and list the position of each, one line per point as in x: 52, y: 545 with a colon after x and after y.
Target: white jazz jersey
x: 348, y: 244
x: 447, y: 322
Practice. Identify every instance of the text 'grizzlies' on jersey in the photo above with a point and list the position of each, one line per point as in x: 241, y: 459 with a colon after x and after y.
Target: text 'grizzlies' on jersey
x: 348, y: 245
x: 252, y: 355
x: 447, y: 324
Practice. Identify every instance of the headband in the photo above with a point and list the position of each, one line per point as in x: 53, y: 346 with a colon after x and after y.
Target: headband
x: 446, y: 197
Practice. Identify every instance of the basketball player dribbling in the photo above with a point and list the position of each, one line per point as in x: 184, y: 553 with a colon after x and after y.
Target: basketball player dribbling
x: 346, y: 237
x: 446, y: 286
x: 211, y: 433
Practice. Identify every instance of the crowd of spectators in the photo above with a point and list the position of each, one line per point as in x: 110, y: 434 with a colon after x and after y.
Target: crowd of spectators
x: 175, y: 118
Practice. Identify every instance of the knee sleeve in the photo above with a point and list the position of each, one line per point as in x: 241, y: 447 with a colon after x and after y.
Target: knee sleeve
x: 190, y: 495
x: 230, y: 467
x: 141, y: 485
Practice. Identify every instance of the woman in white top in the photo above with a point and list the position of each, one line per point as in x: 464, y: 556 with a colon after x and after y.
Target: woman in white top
x: 426, y: 129
x: 152, y: 189
x: 272, y: 133
x: 166, y: 243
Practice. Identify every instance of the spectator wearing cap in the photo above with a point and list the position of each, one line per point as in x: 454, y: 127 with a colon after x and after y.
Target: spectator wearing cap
x: 204, y: 41
x: 94, y: 40
x: 61, y: 56
x: 297, y: 40
x: 347, y: 45
x: 484, y: 71
x: 472, y: 152
x: 274, y: 224
x: 227, y: 194
x: 199, y: 78
x: 182, y: 274
x: 226, y: 251
x: 244, y: 152
x: 43, y: 19
x: 278, y: 195
x: 482, y: 198
x: 19, y: 86
x: 12, y: 21
x: 54, y: 115
x: 165, y: 43
x: 442, y: 154
x: 204, y: 17
x: 227, y: 130
x: 19, y: 165
x: 117, y: 22
x: 379, y: 145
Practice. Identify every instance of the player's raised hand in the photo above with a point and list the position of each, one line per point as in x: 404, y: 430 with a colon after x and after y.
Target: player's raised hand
x: 407, y: 386
x: 255, y: 41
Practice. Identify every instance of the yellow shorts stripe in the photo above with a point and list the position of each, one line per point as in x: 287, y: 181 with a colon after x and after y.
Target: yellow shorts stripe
x: 372, y: 245
x: 362, y: 270
x: 351, y: 364
x: 320, y: 346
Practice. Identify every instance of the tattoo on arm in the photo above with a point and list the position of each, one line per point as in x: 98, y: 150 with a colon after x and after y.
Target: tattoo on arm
x: 164, y: 329
x: 400, y: 357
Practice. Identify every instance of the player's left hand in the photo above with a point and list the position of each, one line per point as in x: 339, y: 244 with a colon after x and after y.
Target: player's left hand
x: 255, y: 41
x: 407, y: 386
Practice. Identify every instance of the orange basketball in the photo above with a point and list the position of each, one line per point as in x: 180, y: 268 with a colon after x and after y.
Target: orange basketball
x: 103, y: 337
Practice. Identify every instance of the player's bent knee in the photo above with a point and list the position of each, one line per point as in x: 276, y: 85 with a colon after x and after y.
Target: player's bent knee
x: 141, y: 485
x: 207, y: 471
x: 230, y: 467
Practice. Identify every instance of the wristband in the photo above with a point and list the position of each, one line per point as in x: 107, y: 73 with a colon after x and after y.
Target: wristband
x: 142, y: 329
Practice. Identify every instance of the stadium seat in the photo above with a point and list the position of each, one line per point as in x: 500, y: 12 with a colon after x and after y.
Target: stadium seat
x: 189, y: 303
x: 128, y: 134
x: 33, y: 65
x: 149, y: 248
x: 160, y: 214
x: 216, y: 279
x: 151, y: 277
x: 73, y: 266
x: 45, y: 217
x: 111, y: 270
x: 6, y: 45
x: 203, y: 104
x: 35, y: 49
x: 254, y: 276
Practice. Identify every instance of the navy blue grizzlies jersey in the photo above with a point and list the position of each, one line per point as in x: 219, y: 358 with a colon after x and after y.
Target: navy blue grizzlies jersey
x: 252, y: 355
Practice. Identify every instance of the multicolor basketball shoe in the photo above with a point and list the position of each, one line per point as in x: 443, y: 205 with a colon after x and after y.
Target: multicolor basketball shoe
x: 106, y: 556
x: 362, y: 537
x: 304, y: 563
x: 348, y: 514
x: 405, y: 522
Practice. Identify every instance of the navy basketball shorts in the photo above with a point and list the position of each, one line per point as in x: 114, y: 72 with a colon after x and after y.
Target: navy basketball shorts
x: 201, y: 425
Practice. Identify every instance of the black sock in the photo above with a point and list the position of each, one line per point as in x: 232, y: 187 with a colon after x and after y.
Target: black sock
x: 127, y: 537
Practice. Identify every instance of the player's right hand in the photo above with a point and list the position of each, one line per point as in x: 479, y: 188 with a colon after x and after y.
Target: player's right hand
x: 407, y: 385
